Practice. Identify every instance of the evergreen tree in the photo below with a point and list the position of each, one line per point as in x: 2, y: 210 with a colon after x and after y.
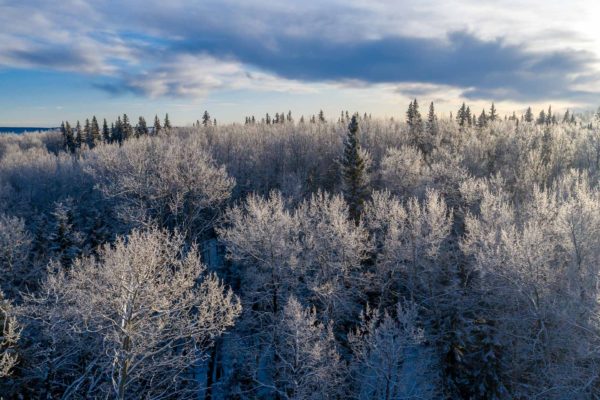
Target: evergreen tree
x: 354, y: 173
x: 572, y: 121
x: 289, y: 117
x: 78, y: 135
x: 413, y: 118
x: 70, y: 144
x: 63, y: 132
x: 87, y: 132
x: 167, y: 123
x: 214, y: 122
x: 468, y: 116
x: 105, y: 132
x: 566, y: 117
x: 206, y: 119
x: 157, y: 127
x: 117, y: 134
x: 493, y: 113
x: 415, y: 127
x: 482, y: 120
x: 541, y: 118
x: 64, y: 241
x: 141, y: 128
x: 267, y: 119
x: 549, y: 116
x: 461, y: 115
x: 94, y: 133
x: 321, y: 117
x: 410, y: 114
x: 528, y: 115
x: 126, y: 127
x: 431, y: 125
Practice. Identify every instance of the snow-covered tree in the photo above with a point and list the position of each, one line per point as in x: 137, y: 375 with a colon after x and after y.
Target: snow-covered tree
x: 174, y: 182
x: 17, y: 271
x: 332, y: 251
x: 391, y: 359
x: 306, y: 362
x: 10, y: 332
x: 145, y: 312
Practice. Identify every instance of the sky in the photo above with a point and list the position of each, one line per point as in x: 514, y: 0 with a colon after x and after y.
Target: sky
x: 71, y: 59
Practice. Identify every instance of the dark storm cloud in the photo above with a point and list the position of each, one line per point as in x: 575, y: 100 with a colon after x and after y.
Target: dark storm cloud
x: 482, y: 67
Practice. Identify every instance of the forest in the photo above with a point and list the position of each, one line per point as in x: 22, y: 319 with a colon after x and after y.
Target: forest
x: 290, y: 257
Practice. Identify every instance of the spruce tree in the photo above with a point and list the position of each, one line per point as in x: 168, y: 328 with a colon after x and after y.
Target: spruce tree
x: 206, y: 119
x: 468, y: 116
x: 87, y: 132
x: 105, y: 132
x: 167, y: 123
x: 117, y: 135
x: 541, y: 118
x: 64, y: 241
x: 95, y: 137
x: 126, y: 127
x: 63, y: 132
x: 289, y: 116
x: 413, y: 118
x: 493, y: 113
x: 482, y: 120
x: 69, y: 138
x: 549, y: 116
x: 214, y: 122
x: 157, y: 126
x: 354, y: 175
x: 528, y: 115
x: 431, y: 126
x: 141, y: 128
x: 321, y: 117
x: 78, y: 135
x: 410, y: 115
x: 461, y: 115
x: 566, y: 117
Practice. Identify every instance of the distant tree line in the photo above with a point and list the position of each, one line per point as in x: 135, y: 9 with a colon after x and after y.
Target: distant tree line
x: 90, y: 134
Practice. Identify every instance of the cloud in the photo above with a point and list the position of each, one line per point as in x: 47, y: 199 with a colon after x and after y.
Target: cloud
x: 187, y: 49
x: 195, y: 75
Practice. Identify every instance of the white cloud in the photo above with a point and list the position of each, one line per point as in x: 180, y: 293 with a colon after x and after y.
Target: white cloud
x: 195, y: 75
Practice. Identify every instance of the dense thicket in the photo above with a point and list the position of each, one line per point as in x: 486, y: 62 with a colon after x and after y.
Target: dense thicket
x: 361, y: 258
